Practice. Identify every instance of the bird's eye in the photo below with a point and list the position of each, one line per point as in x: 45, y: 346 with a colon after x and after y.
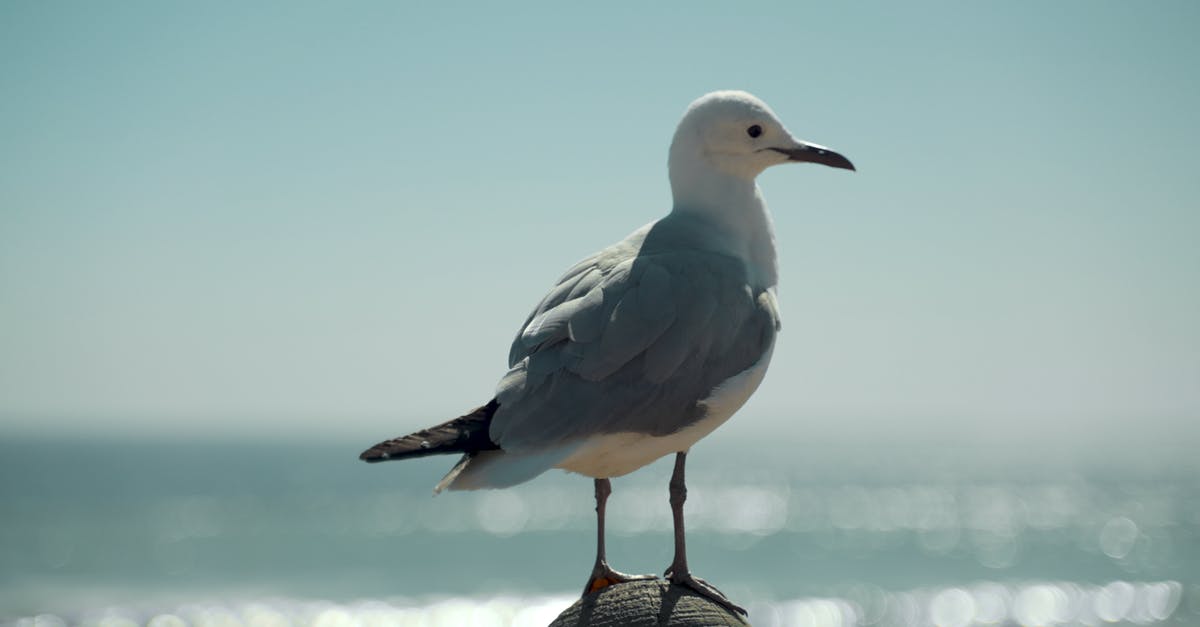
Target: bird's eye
x: 754, y: 131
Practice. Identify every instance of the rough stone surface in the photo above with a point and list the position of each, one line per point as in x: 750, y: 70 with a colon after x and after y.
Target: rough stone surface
x: 646, y: 604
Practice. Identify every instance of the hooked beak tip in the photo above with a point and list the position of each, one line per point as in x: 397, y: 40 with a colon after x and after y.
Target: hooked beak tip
x: 812, y: 153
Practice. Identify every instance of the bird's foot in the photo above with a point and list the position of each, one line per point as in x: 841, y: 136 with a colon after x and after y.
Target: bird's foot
x: 704, y: 589
x: 604, y: 576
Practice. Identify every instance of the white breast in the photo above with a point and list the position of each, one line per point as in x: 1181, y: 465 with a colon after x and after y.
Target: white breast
x: 617, y: 454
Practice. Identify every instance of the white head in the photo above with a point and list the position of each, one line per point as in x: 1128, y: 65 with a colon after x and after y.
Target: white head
x: 732, y: 133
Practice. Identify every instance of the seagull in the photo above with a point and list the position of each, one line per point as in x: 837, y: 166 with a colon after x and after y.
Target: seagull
x: 647, y: 346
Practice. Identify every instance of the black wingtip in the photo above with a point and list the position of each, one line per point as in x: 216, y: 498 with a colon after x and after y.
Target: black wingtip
x: 464, y: 434
x: 383, y: 451
x: 370, y: 458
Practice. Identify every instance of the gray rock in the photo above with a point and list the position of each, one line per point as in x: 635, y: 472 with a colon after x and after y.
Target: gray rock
x: 648, y: 604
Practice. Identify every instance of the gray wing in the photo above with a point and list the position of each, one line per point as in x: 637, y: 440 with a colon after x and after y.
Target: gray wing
x: 631, y: 342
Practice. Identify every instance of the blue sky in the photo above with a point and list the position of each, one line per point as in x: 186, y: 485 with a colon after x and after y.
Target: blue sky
x: 329, y: 218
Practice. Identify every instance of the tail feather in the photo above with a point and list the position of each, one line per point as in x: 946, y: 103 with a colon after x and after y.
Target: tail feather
x: 465, y: 434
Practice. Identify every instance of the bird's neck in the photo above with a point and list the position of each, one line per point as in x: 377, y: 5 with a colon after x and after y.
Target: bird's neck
x: 734, y: 209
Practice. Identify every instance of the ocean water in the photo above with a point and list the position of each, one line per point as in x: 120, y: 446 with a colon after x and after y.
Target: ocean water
x: 120, y: 533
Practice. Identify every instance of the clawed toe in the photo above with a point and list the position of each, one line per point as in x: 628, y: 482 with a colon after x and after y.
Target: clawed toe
x: 704, y: 589
x: 603, y: 576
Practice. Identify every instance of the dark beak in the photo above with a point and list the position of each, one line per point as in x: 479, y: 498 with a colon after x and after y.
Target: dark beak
x: 812, y: 153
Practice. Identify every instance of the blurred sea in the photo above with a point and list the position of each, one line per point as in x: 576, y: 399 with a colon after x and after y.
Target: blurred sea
x: 121, y: 533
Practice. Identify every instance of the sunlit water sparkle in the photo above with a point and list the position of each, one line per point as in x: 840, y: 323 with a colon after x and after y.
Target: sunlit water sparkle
x: 204, y: 535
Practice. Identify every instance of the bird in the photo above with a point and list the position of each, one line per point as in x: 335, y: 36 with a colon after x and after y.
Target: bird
x: 645, y: 347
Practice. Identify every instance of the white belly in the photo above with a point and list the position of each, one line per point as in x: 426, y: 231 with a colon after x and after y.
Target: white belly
x: 616, y: 454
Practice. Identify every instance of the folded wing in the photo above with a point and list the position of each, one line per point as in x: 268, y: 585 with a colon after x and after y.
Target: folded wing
x: 630, y: 341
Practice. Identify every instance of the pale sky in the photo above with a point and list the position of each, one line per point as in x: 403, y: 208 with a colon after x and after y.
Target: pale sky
x: 231, y: 219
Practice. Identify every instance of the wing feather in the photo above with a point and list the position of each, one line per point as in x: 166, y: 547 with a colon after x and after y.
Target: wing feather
x: 635, y: 342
